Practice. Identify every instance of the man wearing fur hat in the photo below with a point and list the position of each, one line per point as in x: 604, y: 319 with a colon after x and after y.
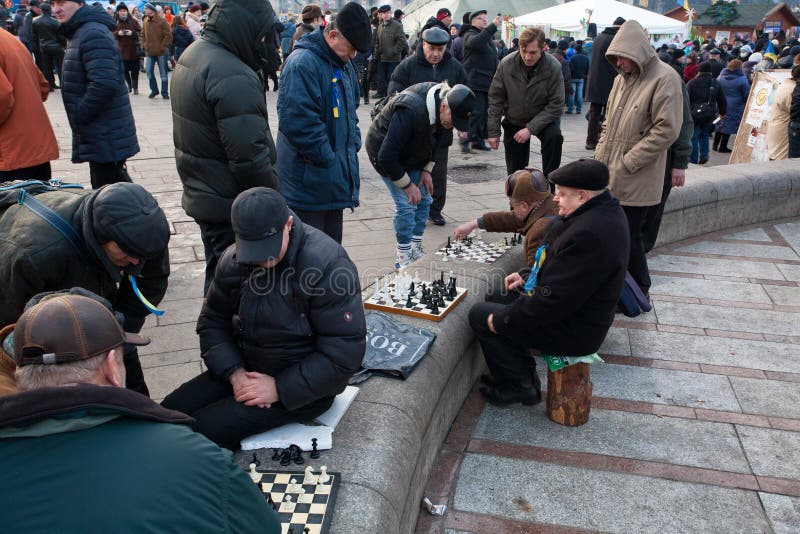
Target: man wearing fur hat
x: 567, y: 302
x: 120, y: 234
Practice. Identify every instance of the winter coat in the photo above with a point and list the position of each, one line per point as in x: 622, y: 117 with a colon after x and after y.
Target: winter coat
x: 579, y: 283
x: 457, y: 44
x: 181, y: 39
x: 643, y: 119
x: 416, y: 69
x: 390, y: 41
x: 601, y: 72
x: 127, y: 42
x: 46, y: 34
x: 480, y: 57
x: 690, y: 71
x: 223, y: 143
x: 286, y: 40
x: 565, y: 71
x: 35, y: 257
x: 310, y: 335
x: 699, y: 89
x: 716, y: 67
x: 794, y: 109
x: 302, y: 29
x: 318, y: 151
x: 94, y: 90
x: 193, y: 23
x: 143, y: 465
x: 26, y: 33
x: 401, y: 138
x: 777, y: 139
x: 747, y: 69
x: 681, y: 150
x: 536, y: 103
x: 26, y: 136
x: 579, y: 66
x: 19, y: 22
x: 736, y: 89
x: 156, y: 36
x: 534, y: 227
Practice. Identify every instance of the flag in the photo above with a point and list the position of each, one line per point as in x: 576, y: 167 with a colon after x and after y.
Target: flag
x: 686, y: 5
x: 770, y: 52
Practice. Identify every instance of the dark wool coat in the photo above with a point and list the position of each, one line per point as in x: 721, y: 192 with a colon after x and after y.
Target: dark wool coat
x: 130, y: 445
x: 480, y: 57
x: 127, y: 43
x: 308, y: 331
x: 94, y: 90
x: 736, y: 88
x: 601, y: 72
x: 699, y: 89
x: 579, y: 283
x: 223, y: 145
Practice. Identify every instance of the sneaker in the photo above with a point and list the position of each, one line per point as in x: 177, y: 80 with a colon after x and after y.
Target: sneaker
x: 152, y: 95
x: 703, y: 161
x: 403, y: 259
x: 437, y: 219
x: 417, y: 251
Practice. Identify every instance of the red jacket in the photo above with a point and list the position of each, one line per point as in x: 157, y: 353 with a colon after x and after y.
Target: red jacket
x: 26, y: 135
x: 689, y: 71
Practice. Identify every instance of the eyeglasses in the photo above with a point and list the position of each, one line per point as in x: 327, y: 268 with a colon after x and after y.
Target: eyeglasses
x: 537, y: 178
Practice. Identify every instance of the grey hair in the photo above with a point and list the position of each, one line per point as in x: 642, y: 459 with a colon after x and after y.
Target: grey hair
x: 33, y: 377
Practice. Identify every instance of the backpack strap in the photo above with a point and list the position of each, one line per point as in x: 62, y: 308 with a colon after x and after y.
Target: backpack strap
x: 56, y: 221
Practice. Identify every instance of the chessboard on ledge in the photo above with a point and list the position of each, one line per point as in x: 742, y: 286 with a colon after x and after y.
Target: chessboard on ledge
x: 303, y: 500
x: 473, y: 248
x: 409, y: 296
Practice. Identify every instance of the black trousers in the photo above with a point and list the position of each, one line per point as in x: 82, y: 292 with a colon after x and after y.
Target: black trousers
x: 385, y: 74
x: 329, y: 221
x: 508, y: 359
x: 131, y: 71
x: 497, y: 288
x: 518, y: 155
x: 637, y: 261
x: 52, y: 58
x: 216, y: 238
x: 478, y: 130
x: 439, y: 175
x: 37, y: 172
x: 652, y: 220
x: 108, y: 173
x: 134, y: 377
x: 224, y: 421
x: 596, y: 112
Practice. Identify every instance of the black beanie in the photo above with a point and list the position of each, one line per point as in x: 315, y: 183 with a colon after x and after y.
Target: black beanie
x: 354, y: 24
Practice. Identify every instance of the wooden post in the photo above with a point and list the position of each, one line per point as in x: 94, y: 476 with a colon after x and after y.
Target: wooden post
x: 569, y: 395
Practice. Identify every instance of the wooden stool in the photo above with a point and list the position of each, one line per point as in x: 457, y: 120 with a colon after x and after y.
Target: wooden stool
x: 569, y: 395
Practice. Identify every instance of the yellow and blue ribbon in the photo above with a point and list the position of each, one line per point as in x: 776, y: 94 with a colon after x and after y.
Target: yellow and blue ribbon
x: 337, y: 75
x: 147, y: 304
x: 530, y: 283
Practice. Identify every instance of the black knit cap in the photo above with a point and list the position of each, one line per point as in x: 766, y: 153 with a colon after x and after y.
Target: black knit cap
x: 588, y: 174
x: 353, y: 22
x: 127, y: 214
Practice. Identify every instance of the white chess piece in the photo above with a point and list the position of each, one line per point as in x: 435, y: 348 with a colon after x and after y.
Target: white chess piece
x: 254, y: 475
x: 309, y: 479
x: 324, y: 477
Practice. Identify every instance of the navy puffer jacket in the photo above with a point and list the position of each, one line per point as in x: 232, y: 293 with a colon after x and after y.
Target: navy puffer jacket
x: 94, y: 90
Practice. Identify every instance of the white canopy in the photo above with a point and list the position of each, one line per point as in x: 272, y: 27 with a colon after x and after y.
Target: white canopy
x: 568, y: 17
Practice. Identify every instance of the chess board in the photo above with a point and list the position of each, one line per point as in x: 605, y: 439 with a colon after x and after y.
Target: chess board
x: 311, y: 510
x: 479, y: 251
x: 418, y: 310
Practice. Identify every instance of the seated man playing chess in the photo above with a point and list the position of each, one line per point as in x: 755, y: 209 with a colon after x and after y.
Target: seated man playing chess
x: 282, y: 328
x: 568, y: 300
x: 532, y: 211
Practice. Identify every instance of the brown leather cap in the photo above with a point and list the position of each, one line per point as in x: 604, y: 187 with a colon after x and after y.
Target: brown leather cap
x: 68, y: 328
x: 528, y: 185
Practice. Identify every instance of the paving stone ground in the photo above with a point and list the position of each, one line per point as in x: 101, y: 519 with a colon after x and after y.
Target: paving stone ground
x: 696, y: 417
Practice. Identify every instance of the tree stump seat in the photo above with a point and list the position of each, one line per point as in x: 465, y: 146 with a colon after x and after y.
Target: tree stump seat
x: 569, y: 395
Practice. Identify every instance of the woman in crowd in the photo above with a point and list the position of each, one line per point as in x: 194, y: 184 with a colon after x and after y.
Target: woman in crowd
x: 778, y: 131
x: 690, y: 67
x: 181, y: 37
x: 127, y: 34
x: 736, y: 88
x: 193, y: 15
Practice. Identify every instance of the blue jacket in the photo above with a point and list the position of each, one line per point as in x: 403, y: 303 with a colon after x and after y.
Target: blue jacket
x: 94, y: 90
x: 736, y: 88
x: 317, y: 152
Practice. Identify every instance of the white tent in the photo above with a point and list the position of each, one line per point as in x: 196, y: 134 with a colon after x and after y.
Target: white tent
x: 570, y: 17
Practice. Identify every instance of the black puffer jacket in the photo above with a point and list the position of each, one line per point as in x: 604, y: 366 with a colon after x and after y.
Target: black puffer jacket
x: 223, y: 144
x: 308, y: 331
x: 401, y: 138
x: 794, y: 110
x: 415, y: 69
x: 699, y: 89
x: 601, y: 72
x: 35, y: 257
x: 94, y: 90
x: 45, y: 31
x: 573, y: 304
x: 480, y: 57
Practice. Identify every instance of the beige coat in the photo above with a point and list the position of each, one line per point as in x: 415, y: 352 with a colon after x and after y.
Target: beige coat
x: 778, y: 131
x: 643, y: 118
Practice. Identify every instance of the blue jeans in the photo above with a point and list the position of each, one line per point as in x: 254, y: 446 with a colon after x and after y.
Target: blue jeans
x: 151, y: 75
x: 577, y: 97
x: 700, y: 139
x: 408, y: 219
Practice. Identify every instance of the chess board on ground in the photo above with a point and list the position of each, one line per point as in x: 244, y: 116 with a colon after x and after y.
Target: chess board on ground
x: 475, y: 250
x: 311, y: 510
x: 392, y: 304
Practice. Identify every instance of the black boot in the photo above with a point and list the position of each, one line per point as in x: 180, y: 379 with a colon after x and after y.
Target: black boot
x: 717, y: 137
x: 512, y: 394
x: 723, y: 143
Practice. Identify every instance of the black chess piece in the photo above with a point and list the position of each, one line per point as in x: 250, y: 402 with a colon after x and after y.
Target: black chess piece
x: 506, y: 240
x: 314, y: 452
x: 434, y: 308
x: 411, y: 290
x: 441, y: 278
x: 286, y: 457
x: 276, y: 455
x: 452, y: 292
x: 409, y: 302
x: 255, y: 460
x: 448, y: 243
x: 296, y: 454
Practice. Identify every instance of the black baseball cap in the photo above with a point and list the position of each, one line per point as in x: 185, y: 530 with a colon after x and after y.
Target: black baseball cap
x: 68, y: 328
x: 461, y: 101
x: 258, y: 216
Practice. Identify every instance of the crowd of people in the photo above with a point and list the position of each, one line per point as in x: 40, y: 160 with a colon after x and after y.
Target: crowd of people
x: 282, y: 327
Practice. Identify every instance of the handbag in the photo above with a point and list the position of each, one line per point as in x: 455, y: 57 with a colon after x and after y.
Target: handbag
x: 705, y: 112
